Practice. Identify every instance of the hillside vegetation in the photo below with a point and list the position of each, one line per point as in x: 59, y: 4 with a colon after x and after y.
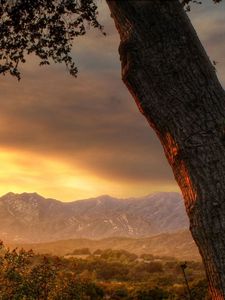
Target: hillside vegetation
x: 104, y: 274
x: 179, y: 245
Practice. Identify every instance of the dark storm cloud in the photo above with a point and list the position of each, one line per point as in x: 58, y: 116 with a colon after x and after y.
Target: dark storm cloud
x: 91, y: 122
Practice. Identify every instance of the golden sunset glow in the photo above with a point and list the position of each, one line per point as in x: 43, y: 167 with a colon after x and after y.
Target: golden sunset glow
x: 22, y: 171
x: 71, y: 139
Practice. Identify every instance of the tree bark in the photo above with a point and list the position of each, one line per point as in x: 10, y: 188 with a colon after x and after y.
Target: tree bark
x: 175, y: 86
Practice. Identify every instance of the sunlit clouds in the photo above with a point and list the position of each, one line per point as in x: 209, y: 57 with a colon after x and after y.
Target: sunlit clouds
x: 23, y: 171
x: 77, y: 138
x: 54, y: 177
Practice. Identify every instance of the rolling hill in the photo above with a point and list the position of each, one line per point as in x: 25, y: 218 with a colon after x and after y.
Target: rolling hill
x: 179, y: 245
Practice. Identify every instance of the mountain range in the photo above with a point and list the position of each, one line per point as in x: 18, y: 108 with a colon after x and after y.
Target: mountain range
x: 30, y: 218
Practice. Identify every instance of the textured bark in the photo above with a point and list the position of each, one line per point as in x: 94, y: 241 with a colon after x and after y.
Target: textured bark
x: 175, y: 86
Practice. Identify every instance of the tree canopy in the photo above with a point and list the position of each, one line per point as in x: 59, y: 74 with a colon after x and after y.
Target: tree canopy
x: 47, y: 29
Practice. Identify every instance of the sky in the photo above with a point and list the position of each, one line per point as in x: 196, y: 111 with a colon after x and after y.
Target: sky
x: 71, y: 139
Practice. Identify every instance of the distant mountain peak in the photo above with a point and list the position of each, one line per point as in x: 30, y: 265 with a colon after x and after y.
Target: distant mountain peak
x: 9, y: 194
x: 29, y: 217
x: 22, y: 197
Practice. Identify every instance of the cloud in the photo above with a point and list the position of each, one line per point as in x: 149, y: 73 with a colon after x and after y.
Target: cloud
x: 90, y: 124
x: 90, y: 121
x: 208, y: 20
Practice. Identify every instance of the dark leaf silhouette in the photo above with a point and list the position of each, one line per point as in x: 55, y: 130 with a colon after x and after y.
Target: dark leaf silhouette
x: 44, y: 28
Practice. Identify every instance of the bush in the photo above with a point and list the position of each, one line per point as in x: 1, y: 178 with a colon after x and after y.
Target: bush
x: 151, y: 294
x: 82, y: 251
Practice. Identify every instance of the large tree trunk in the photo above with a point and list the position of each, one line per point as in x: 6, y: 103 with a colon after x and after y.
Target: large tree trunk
x: 175, y: 86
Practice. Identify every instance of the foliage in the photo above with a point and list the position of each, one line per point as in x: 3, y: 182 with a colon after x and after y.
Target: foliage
x: 151, y: 294
x: 118, y: 255
x: 188, y: 2
x: 82, y: 251
x: 45, y: 28
x: 28, y: 276
x: 13, y: 267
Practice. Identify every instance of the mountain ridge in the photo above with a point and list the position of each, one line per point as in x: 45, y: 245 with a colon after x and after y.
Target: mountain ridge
x: 29, y: 217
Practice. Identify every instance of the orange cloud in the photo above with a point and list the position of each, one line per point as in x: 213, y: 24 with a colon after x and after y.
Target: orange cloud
x: 23, y: 171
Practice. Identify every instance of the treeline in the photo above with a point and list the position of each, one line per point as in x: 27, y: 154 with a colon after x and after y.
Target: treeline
x: 108, y: 274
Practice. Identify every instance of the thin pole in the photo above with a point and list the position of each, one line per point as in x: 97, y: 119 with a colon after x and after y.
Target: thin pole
x: 183, y: 267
